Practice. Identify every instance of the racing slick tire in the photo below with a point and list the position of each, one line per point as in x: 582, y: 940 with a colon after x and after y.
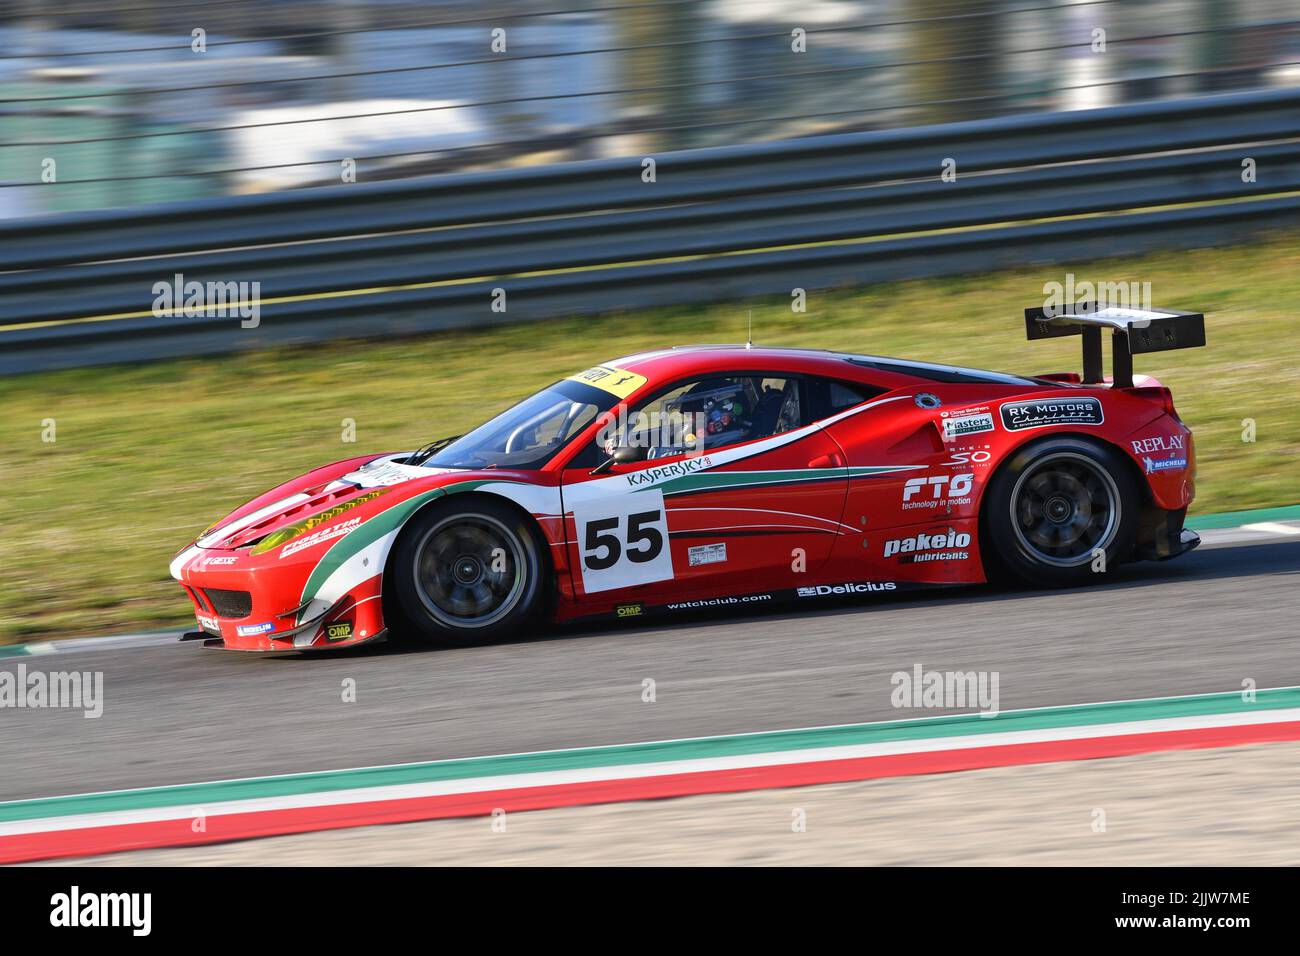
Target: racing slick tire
x: 468, y: 572
x: 1054, y: 505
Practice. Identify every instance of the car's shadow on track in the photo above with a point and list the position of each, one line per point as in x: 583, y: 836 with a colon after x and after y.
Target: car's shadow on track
x: 1217, y: 563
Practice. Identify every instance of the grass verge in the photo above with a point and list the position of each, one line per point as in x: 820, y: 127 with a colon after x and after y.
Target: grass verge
x: 146, y: 456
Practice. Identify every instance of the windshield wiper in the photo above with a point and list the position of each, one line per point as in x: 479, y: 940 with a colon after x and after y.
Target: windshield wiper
x: 425, y: 452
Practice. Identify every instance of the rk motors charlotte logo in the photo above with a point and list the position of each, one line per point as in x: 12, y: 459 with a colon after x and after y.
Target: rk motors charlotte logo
x: 1051, y: 411
x: 76, y: 909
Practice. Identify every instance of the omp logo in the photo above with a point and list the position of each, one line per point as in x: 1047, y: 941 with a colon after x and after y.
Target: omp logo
x: 338, y: 632
x: 929, y: 542
x: 74, y: 909
x: 956, y: 486
x: 628, y: 610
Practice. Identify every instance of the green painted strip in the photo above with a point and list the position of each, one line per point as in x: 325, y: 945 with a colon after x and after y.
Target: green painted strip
x: 702, y: 481
x: 15, y: 650
x: 1235, y: 519
x: 374, y: 529
x: 203, y: 794
x: 359, y: 538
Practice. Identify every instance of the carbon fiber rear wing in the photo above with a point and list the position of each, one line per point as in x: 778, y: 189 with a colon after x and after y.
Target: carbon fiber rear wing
x: 1132, y: 331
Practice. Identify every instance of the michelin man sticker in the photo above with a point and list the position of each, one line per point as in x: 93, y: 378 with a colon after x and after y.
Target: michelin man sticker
x: 623, y: 541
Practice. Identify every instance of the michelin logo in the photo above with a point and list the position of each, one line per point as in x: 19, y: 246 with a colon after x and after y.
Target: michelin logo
x: 1154, y: 465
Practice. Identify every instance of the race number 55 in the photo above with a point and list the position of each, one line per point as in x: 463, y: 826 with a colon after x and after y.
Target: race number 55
x: 623, y: 541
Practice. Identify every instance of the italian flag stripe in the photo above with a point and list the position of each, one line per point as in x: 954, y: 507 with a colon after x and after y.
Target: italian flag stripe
x: 239, y: 809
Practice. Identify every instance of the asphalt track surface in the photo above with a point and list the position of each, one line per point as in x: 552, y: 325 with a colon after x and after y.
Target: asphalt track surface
x: 1205, y: 622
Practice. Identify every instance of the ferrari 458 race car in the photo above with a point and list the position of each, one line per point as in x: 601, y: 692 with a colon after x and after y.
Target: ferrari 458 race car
x: 717, y: 476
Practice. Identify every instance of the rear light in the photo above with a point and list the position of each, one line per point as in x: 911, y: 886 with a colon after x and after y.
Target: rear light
x: 1158, y: 394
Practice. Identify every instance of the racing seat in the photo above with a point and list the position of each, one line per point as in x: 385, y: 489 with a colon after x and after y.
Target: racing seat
x: 766, y: 413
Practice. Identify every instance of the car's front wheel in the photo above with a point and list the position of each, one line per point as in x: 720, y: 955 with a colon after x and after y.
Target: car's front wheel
x: 469, y: 572
x: 1061, y: 510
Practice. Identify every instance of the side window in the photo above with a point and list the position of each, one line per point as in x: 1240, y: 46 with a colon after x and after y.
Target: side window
x: 712, y: 413
x: 827, y: 397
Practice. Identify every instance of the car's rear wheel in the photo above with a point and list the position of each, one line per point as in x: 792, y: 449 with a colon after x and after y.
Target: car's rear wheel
x: 1061, y: 510
x: 469, y: 572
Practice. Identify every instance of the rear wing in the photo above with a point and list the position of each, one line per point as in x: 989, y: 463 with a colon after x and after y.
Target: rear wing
x: 1132, y: 331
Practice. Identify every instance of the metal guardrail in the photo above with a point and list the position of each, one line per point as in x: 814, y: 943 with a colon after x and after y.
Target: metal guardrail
x: 579, y: 238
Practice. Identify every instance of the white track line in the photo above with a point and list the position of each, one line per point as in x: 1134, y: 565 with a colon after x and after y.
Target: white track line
x: 1272, y: 527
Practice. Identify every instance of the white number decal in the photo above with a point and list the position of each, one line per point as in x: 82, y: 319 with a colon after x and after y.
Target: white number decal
x: 623, y: 541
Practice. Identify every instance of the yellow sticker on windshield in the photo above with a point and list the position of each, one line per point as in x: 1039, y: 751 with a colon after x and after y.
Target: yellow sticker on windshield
x: 616, y: 381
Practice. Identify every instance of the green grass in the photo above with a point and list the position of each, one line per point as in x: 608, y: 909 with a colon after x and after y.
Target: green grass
x: 148, y: 455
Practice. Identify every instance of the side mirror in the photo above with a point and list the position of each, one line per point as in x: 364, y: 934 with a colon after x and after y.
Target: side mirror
x: 627, y: 454
x: 623, y: 455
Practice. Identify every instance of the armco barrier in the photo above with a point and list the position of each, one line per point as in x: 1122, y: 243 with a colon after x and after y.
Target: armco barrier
x: 412, y: 256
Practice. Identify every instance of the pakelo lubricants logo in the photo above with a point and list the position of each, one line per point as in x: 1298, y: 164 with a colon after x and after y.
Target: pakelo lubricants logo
x: 940, y: 546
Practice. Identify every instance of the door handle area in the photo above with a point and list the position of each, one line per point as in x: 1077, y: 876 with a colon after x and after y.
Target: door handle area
x: 833, y: 460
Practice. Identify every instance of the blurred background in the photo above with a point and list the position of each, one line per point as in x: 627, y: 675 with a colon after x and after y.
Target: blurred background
x: 136, y: 107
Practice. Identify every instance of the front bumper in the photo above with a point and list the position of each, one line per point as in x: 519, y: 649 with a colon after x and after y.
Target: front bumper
x: 218, y: 643
x: 249, y: 603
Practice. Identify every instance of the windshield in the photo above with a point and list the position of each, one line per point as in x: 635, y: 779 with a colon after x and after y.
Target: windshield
x: 528, y: 434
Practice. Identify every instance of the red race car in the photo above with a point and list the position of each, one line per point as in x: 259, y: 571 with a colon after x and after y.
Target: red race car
x: 712, y: 476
